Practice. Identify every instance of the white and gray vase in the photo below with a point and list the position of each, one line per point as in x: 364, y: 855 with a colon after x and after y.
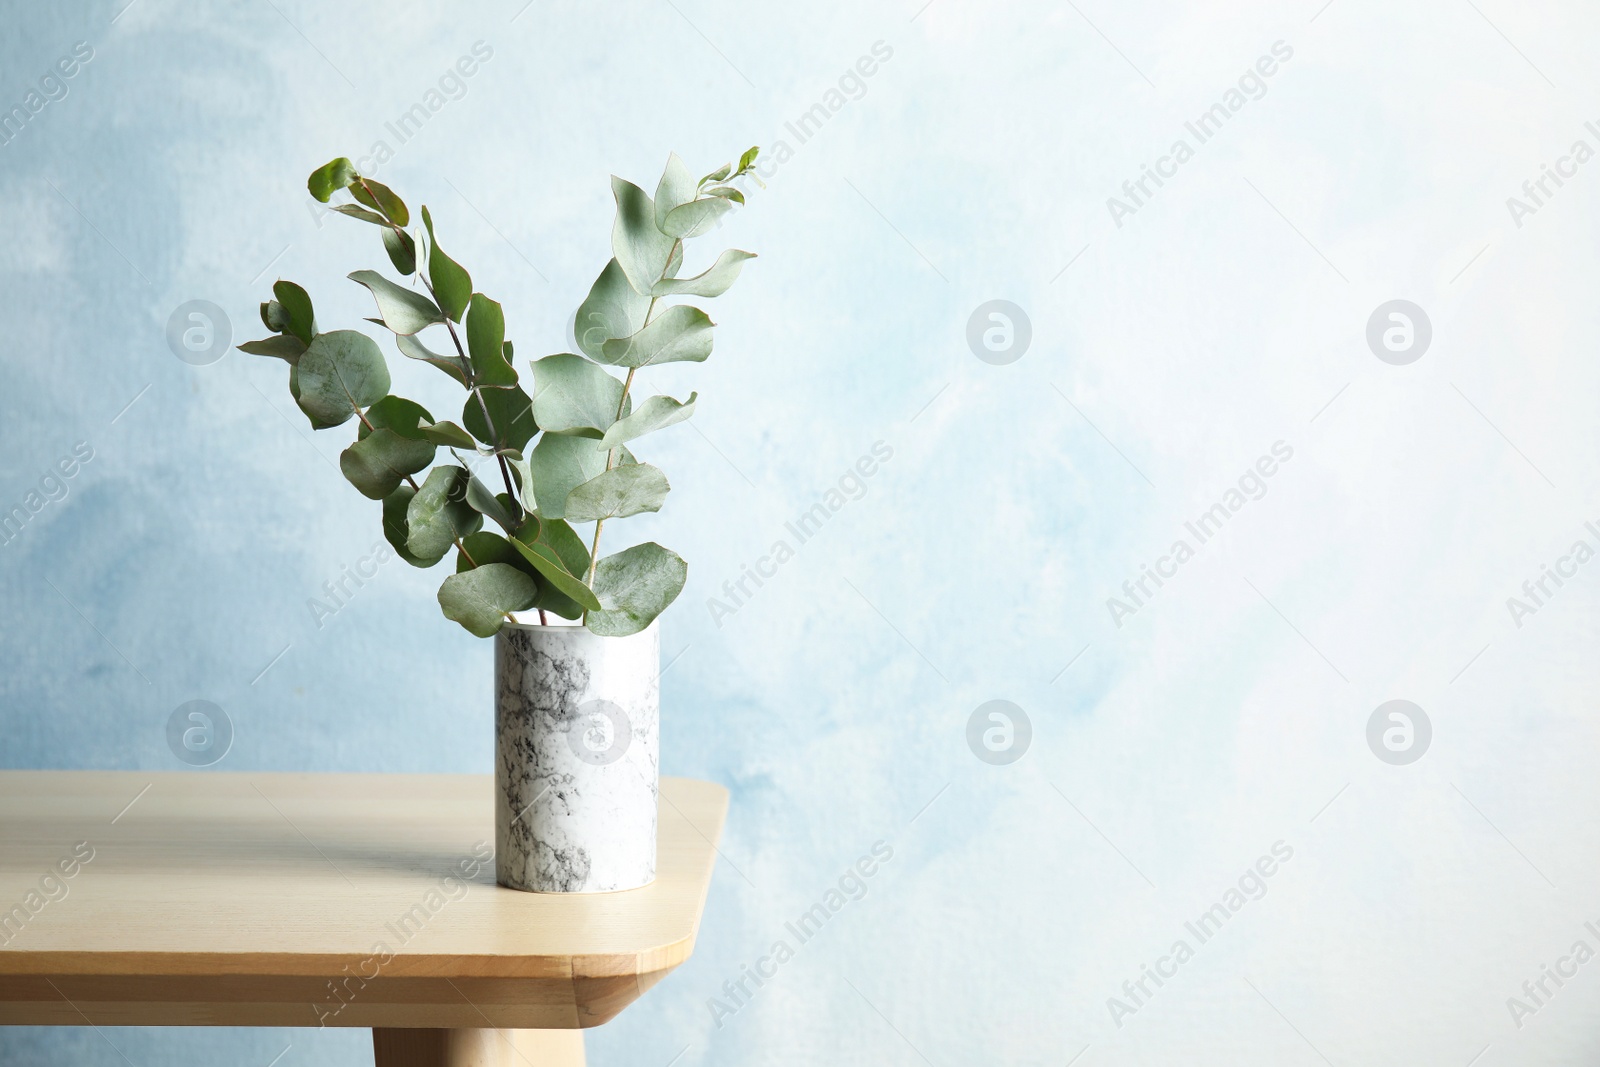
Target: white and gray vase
x: 577, y: 737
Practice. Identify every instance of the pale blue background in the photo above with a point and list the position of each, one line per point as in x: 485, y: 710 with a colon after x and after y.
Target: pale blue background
x: 1167, y: 355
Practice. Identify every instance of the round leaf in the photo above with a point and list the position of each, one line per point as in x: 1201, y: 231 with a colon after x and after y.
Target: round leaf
x: 633, y: 587
x: 439, y: 514
x: 573, y: 396
x: 340, y: 372
x: 618, y: 493
x: 511, y: 412
x: 694, y: 218
x: 480, y: 599
x: 379, y: 462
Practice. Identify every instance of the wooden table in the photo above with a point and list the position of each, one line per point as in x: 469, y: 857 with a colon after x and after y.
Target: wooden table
x: 198, y: 899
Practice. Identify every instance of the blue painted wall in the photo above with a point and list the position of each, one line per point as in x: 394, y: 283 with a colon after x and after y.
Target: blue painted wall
x: 925, y: 160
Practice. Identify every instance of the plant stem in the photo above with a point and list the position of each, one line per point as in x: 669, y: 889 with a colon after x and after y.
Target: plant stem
x: 622, y: 402
x: 466, y: 370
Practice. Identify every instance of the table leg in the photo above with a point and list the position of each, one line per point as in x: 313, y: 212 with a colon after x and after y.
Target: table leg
x: 405, y: 1047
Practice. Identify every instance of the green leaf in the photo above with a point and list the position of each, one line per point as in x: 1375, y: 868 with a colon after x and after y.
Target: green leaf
x: 486, y: 335
x: 568, y: 548
x: 330, y: 178
x: 356, y: 211
x: 640, y: 247
x: 561, y: 538
x: 559, y: 465
x: 286, y: 347
x: 618, y: 493
x: 511, y: 411
x: 404, y: 417
x: 274, y: 316
x: 379, y: 462
x: 394, y: 524
x: 612, y: 309
x: 693, y: 219
x: 402, y: 310
x: 481, y: 598
x: 297, y: 306
x: 681, y: 333
x: 412, y: 348
x: 654, y: 414
x: 439, y: 514
x: 633, y: 587
x: 484, y: 548
x: 713, y: 282
x: 340, y: 372
x: 573, y: 396
x: 451, y: 282
x: 727, y: 192
x: 749, y: 157
x: 483, y: 500
x: 676, y: 187
x: 383, y: 198
x: 402, y: 250
x: 545, y: 559
x: 294, y: 391
x: 449, y: 435
x: 718, y: 174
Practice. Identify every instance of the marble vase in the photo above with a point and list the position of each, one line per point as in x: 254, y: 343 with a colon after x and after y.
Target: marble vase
x: 577, y: 736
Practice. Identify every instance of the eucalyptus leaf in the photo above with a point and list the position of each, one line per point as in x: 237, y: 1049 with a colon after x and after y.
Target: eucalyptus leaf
x: 449, y: 435
x: 274, y: 316
x: 412, y: 348
x: 297, y: 305
x: 573, y: 396
x: 694, y: 218
x: 486, y: 335
x: 394, y: 524
x: 379, y: 462
x: 639, y: 245
x: 612, y: 309
x: 285, y: 346
x: 679, y: 334
x: 714, y: 282
x: 439, y: 514
x: 654, y: 414
x: 553, y: 570
x: 748, y: 158
x: 356, y: 211
x: 559, y: 465
x: 727, y: 192
x: 483, y: 500
x: 480, y: 599
x: 330, y: 178
x: 341, y: 371
x: 294, y: 391
x: 404, y: 417
x: 402, y: 250
x: 618, y: 493
x: 451, y: 282
x: 511, y: 412
x: 483, y: 548
x: 402, y: 310
x: 569, y: 548
x: 677, y: 187
x: 633, y: 587
x: 386, y: 201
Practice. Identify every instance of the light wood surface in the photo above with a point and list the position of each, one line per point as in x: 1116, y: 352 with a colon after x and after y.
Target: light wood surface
x: 308, y: 899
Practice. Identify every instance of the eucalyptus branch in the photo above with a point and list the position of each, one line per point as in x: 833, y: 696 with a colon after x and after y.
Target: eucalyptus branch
x: 338, y: 375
